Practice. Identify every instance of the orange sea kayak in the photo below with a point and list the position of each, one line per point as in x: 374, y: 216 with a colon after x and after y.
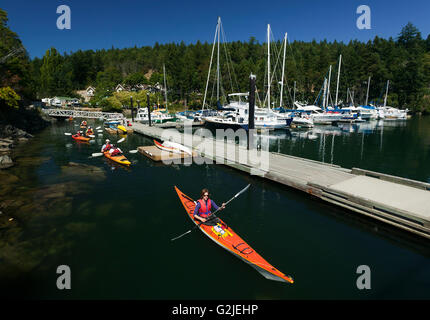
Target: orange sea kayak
x: 119, y: 159
x: 225, y: 237
x: 80, y: 138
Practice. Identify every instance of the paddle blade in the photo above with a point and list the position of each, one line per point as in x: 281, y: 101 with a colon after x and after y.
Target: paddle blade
x: 91, y: 136
x: 132, y: 151
x: 181, y: 235
x: 97, y: 154
x: 67, y: 133
x: 242, y: 191
x: 120, y: 140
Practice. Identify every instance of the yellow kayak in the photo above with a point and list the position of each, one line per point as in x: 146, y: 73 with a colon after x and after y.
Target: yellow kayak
x: 119, y: 159
x: 122, y: 128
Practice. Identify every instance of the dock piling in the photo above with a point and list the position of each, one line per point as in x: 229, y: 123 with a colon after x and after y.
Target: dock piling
x: 251, y: 100
x: 149, y: 109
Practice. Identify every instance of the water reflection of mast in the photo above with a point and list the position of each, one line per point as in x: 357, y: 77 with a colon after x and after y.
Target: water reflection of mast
x: 279, y: 145
x: 332, y: 148
x: 323, y: 146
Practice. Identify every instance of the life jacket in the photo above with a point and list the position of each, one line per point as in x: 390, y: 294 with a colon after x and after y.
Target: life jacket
x: 205, y: 210
x: 107, y: 147
x: 115, y: 152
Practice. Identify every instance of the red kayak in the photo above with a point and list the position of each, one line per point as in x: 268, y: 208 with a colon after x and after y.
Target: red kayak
x: 80, y: 138
x: 225, y: 237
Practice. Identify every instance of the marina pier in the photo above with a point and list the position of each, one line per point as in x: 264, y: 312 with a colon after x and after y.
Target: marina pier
x: 400, y: 202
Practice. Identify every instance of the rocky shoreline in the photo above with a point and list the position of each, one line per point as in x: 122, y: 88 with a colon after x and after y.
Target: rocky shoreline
x: 10, y: 137
x: 14, y: 132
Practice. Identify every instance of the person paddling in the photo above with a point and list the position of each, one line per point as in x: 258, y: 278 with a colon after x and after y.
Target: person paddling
x: 107, y: 146
x: 204, y: 205
x: 89, y: 131
x: 115, y: 151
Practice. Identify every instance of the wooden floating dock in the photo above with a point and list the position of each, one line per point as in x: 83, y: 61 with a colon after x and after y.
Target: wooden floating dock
x: 178, y: 124
x: 157, y: 154
x: 400, y: 202
x: 129, y: 130
x: 117, y: 131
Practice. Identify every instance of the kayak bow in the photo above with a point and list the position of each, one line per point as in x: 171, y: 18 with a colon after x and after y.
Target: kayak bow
x: 225, y: 237
x: 122, y: 128
x: 172, y: 147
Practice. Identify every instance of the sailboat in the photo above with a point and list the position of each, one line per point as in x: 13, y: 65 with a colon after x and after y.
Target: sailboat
x: 235, y: 114
x: 368, y: 112
x: 158, y: 115
x: 324, y: 114
x: 391, y: 113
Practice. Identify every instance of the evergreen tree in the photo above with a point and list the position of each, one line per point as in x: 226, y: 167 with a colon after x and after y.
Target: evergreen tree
x: 14, y: 61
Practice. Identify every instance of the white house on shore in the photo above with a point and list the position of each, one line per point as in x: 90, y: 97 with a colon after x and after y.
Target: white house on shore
x: 60, y: 102
x: 87, y: 94
x: 120, y: 88
x: 139, y: 87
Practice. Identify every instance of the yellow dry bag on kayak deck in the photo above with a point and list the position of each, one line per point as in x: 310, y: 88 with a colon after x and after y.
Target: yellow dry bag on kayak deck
x: 220, y: 231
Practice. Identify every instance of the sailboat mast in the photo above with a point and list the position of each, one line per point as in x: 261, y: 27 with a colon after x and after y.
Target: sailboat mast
x: 347, y: 96
x: 367, y: 94
x: 283, y: 69
x: 268, y: 66
x: 210, y: 64
x: 338, y: 77
x: 165, y: 85
x: 294, y: 94
x: 217, y: 64
x: 325, y: 93
x: 386, y: 93
x: 328, y: 87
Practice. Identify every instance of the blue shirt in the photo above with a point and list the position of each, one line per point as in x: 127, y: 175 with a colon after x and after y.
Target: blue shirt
x: 213, y: 205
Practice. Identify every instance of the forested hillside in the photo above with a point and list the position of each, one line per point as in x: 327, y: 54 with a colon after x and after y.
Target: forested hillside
x: 403, y: 59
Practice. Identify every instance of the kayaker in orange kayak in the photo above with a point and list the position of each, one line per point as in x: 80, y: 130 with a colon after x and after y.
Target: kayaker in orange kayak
x: 89, y: 131
x: 107, y: 146
x: 79, y: 134
x: 204, y: 205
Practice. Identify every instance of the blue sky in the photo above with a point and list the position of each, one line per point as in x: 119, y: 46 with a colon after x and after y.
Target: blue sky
x: 102, y: 24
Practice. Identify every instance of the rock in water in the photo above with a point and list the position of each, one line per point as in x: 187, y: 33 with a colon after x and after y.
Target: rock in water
x: 5, y: 162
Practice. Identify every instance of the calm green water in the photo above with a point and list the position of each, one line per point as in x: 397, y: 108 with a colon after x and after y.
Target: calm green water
x: 113, y: 225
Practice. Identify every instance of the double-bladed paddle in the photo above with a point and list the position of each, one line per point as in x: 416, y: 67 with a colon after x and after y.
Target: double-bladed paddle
x: 213, y: 214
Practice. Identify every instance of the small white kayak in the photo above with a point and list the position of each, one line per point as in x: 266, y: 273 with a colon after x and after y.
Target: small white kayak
x: 173, y: 147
